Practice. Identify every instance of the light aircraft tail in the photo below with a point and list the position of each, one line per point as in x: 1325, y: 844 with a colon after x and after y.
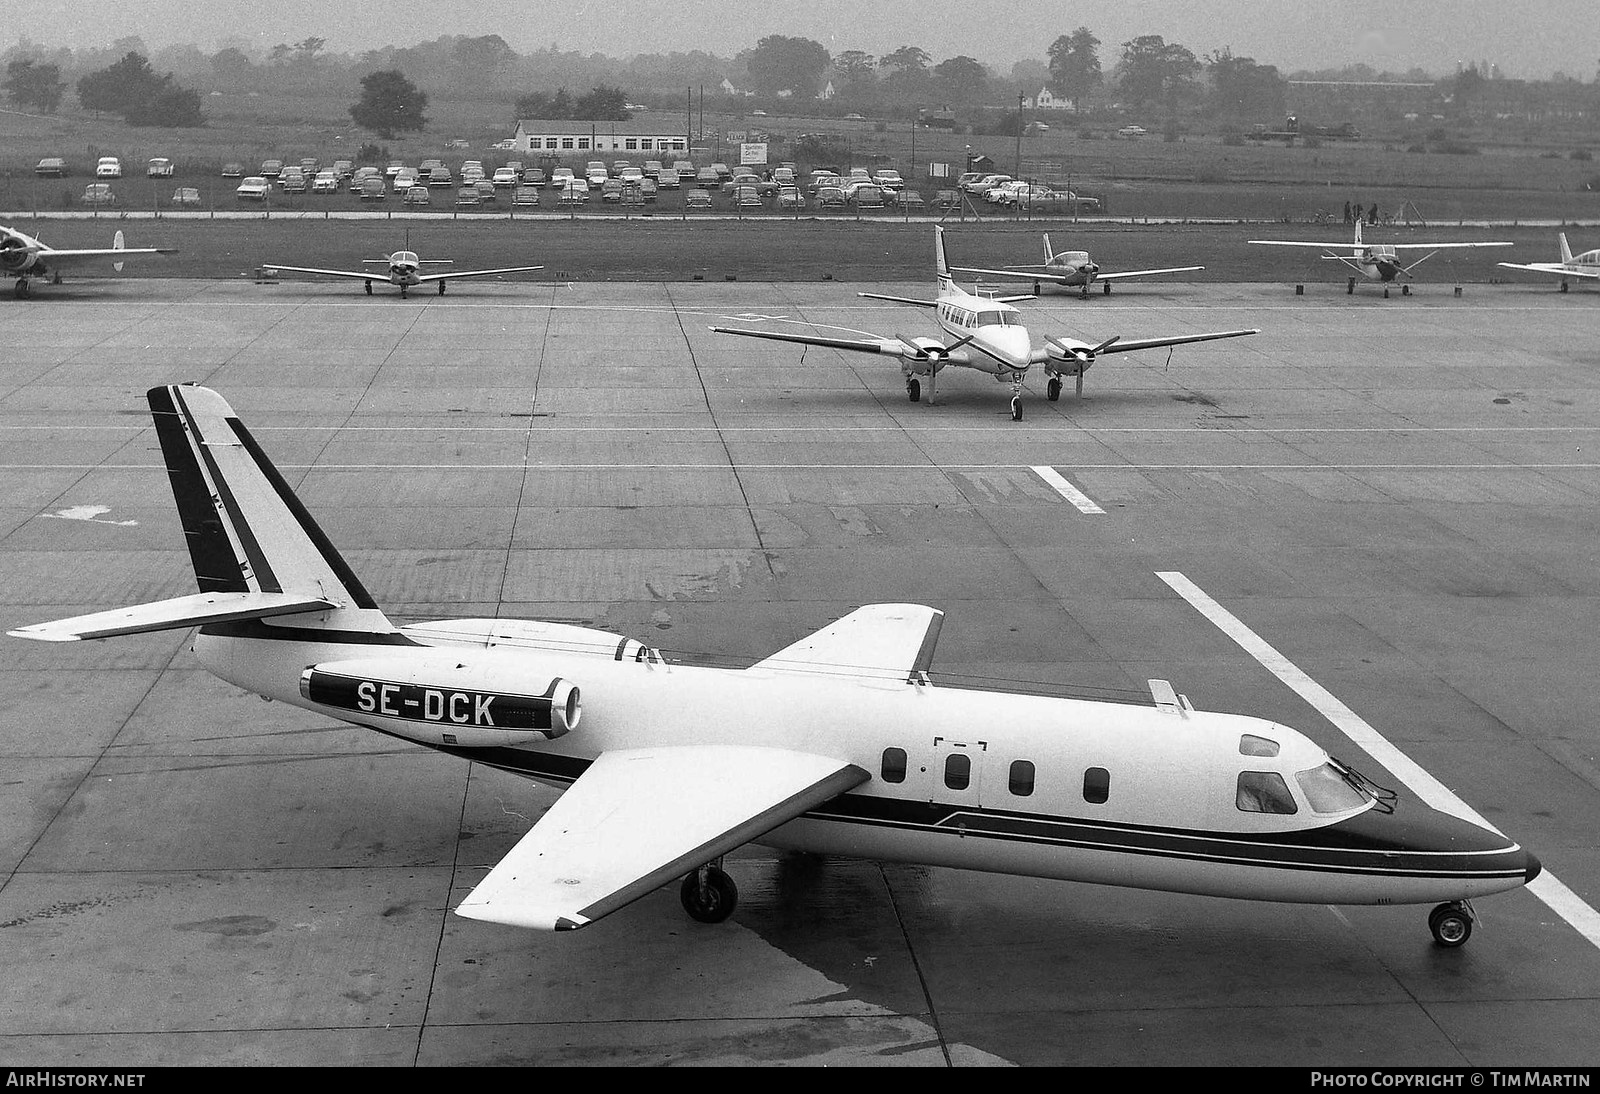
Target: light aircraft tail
x: 1358, y: 233
x: 255, y: 549
x: 1049, y: 252
x: 117, y: 244
x: 1566, y: 251
x: 941, y: 267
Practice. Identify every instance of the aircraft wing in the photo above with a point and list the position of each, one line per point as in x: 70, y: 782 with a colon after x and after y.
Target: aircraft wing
x: 893, y: 641
x: 638, y: 818
x: 861, y: 345
x: 1145, y: 273
x: 1018, y: 273
x: 1438, y: 246
x: 477, y: 273
x: 356, y: 275
x: 899, y: 299
x: 1124, y: 345
x: 1302, y: 243
x: 1550, y: 268
x: 50, y: 254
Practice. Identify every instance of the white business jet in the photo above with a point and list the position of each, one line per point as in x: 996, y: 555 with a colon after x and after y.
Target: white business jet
x: 837, y: 744
x: 26, y: 258
x: 988, y: 336
x: 1069, y: 269
x: 1586, y: 265
x: 1377, y: 261
x: 404, y: 271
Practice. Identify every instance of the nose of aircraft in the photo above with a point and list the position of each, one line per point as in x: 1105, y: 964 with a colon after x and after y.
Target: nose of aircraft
x: 1535, y: 868
x: 1429, y: 847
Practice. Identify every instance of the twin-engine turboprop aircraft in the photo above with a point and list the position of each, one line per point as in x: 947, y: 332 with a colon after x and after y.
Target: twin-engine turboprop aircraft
x: 26, y: 258
x: 988, y: 336
x: 1582, y: 267
x: 1376, y: 261
x: 1070, y: 269
x: 838, y: 744
x: 405, y: 271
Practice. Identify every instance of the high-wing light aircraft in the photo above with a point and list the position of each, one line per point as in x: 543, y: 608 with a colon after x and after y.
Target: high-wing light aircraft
x: 837, y: 744
x: 1377, y: 261
x: 1586, y: 265
x: 1069, y: 269
x: 404, y: 271
x: 988, y: 336
x: 26, y: 258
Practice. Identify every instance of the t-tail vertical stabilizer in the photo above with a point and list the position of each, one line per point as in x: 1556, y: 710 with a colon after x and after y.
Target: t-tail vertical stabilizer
x: 942, y: 268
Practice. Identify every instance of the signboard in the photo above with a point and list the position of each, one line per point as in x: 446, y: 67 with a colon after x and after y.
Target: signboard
x: 753, y: 153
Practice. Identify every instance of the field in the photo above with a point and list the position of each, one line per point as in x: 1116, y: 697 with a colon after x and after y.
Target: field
x: 1195, y: 177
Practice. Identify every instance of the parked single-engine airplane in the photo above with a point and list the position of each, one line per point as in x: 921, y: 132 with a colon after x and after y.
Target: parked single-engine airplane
x: 26, y: 258
x: 404, y: 271
x: 1377, y: 261
x: 1069, y: 269
x: 989, y: 336
x: 1586, y: 265
x: 839, y: 743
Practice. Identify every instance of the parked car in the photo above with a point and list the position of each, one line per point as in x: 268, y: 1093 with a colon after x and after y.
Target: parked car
x: 326, y: 182
x: 611, y: 191
x: 648, y: 188
x: 652, y: 169
x: 343, y: 169
x: 271, y: 168
x: 393, y: 168
x: 790, y: 199
x: 373, y: 189
x: 405, y: 179
x: 1132, y: 132
x: 439, y: 177
x: 723, y: 170
x: 525, y: 195
x: 486, y: 191
x: 697, y: 198
x: 415, y: 195
x: 468, y: 195
x: 868, y: 196
x: 292, y: 181
x: 254, y: 188
x: 186, y: 196
x: 830, y: 197
x: 909, y: 199
x: 575, y: 192
x: 594, y: 172
x: 504, y: 176
x: 233, y: 170
x: 99, y: 193
x: 51, y: 167
x: 109, y: 167
x: 362, y: 175
x: 533, y: 176
x: 561, y: 178
x: 669, y: 179
x: 746, y: 197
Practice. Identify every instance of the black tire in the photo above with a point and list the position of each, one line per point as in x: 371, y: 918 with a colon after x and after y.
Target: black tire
x: 21, y: 289
x: 1016, y: 408
x: 1052, y: 390
x: 914, y: 389
x: 369, y: 287
x: 712, y: 902
x: 441, y: 288
x: 1451, y: 925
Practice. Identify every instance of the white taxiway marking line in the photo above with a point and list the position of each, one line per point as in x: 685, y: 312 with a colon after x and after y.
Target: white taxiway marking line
x: 1561, y: 900
x: 1061, y: 486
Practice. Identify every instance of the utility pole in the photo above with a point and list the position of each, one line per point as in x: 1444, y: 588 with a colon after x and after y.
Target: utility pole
x: 1019, y: 134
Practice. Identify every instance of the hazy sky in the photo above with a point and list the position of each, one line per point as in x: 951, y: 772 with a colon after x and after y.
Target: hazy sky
x: 1532, y: 38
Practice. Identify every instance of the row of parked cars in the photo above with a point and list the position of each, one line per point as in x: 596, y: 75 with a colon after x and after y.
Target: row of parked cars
x: 106, y: 167
x: 1001, y: 189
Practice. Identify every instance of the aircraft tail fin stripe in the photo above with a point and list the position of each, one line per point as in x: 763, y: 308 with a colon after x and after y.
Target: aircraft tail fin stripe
x: 941, y: 267
x: 247, y: 530
x: 1049, y: 252
x: 1566, y: 250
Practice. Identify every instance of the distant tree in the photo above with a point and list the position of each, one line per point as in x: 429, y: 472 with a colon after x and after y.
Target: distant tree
x: 780, y: 63
x: 280, y: 53
x: 389, y: 104
x: 1156, y: 72
x: 1240, y: 88
x: 132, y: 89
x: 856, y: 67
x: 232, y: 65
x: 1075, y: 66
x: 961, y: 79
x: 602, y: 104
x: 33, y: 84
x: 906, y: 65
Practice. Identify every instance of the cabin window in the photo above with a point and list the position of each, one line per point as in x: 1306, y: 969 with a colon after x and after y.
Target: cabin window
x: 958, y: 771
x: 1264, y: 792
x: 894, y: 765
x: 1021, y: 778
x: 1096, y: 785
x: 1329, y: 791
x: 1251, y: 745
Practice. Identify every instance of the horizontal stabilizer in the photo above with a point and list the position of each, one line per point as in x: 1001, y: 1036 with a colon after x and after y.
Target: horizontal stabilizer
x: 164, y: 615
x: 891, y: 641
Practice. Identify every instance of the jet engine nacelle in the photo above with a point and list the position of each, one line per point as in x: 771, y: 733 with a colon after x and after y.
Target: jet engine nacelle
x: 462, y: 701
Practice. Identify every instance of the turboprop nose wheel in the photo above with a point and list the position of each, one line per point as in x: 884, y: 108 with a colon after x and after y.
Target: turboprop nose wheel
x: 1451, y: 924
x: 1016, y: 408
x: 709, y: 894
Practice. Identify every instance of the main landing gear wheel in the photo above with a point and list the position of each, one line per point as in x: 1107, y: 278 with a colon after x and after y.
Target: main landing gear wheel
x: 1405, y: 290
x: 1016, y: 408
x: 1035, y: 288
x: 369, y: 287
x: 1451, y: 924
x: 20, y: 290
x: 441, y: 288
x: 709, y: 894
x: 1105, y: 286
x: 914, y: 389
x: 1052, y: 390
x: 1350, y: 287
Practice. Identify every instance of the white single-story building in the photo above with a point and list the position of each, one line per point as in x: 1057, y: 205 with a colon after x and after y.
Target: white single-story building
x: 1046, y: 100
x: 549, y: 137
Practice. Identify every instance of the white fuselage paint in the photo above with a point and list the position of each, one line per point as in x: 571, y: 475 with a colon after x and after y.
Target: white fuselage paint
x: 1172, y: 775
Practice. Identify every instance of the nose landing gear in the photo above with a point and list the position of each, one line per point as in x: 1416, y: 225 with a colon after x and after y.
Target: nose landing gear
x: 709, y: 894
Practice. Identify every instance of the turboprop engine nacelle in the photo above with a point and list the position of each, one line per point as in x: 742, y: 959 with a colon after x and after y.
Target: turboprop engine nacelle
x: 460, y: 701
x: 922, y: 355
x: 15, y: 254
x: 1071, y: 357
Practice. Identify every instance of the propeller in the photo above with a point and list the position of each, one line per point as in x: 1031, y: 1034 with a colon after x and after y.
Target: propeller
x: 924, y: 353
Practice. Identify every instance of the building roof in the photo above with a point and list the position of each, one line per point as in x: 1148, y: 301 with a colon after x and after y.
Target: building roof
x: 564, y: 126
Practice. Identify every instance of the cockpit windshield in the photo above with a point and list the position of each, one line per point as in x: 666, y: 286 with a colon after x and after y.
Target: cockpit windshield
x: 996, y: 319
x: 1329, y: 790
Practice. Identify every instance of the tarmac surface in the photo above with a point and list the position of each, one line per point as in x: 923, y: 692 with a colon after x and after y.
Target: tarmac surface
x: 1400, y: 498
